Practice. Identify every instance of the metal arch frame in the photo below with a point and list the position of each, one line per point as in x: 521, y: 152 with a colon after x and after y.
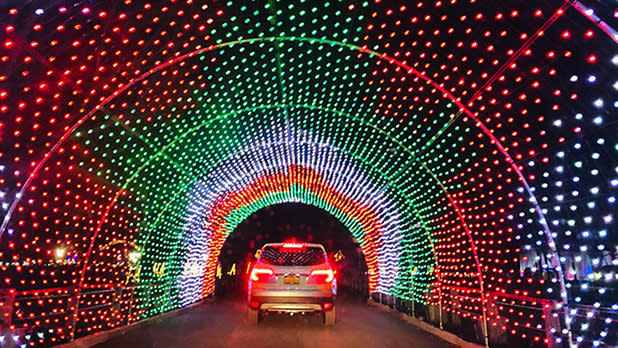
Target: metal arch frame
x: 198, y: 52
x: 598, y: 22
x: 363, y: 49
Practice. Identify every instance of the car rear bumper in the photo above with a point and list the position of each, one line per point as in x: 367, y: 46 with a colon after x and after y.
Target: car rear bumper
x: 290, y: 304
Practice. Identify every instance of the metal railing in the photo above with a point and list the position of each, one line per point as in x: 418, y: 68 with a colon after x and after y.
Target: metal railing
x: 56, y: 315
x: 540, y: 320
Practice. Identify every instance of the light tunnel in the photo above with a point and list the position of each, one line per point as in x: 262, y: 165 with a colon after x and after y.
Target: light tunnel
x: 469, y: 147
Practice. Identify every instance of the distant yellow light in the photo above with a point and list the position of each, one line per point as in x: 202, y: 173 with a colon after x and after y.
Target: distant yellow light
x: 134, y: 256
x: 232, y: 270
x: 218, y: 274
x: 60, y: 253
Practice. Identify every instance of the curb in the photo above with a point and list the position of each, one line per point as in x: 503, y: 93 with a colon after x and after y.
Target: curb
x: 444, y: 335
x: 102, y: 336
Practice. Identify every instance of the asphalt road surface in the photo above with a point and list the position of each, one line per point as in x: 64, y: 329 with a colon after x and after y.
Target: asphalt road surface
x: 224, y: 323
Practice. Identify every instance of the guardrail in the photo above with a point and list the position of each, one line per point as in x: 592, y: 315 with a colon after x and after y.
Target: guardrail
x: 56, y: 315
x: 52, y: 316
x: 534, y: 321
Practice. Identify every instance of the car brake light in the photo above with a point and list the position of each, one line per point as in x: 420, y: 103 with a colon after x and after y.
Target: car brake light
x: 328, y: 305
x: 293, y: 245
x: 254, y: 304
x: 255, y: 274
x: 324, y: 272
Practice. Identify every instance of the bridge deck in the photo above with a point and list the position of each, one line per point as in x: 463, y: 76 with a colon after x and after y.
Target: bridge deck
x: 224, y: 324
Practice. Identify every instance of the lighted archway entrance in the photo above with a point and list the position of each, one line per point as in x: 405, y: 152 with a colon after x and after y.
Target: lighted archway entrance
x: 288, y: 221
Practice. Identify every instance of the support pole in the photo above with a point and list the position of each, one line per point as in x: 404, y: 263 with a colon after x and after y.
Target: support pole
x: 440, y: 307
x: 7, y: 308
x: 74, y: 301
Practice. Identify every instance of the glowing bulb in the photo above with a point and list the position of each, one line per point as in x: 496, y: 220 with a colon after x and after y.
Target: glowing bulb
x: 134, y: 256
x: 60, y: 253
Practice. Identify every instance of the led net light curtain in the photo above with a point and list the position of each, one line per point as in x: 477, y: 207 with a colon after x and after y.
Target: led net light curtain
x: 469, y: 147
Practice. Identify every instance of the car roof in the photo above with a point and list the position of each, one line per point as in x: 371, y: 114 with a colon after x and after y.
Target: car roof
x: 311, y: 245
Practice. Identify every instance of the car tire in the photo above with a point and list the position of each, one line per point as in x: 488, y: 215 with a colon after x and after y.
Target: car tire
x: 329, y: 317
x: 253, y: 315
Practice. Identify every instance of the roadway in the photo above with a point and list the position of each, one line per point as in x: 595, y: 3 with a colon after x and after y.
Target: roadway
x: 223, y: 323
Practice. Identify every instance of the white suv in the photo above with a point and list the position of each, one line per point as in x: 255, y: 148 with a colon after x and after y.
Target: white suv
x: 292, y: 278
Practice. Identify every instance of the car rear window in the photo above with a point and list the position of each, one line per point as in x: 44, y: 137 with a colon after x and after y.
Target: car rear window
x: 280, y: 256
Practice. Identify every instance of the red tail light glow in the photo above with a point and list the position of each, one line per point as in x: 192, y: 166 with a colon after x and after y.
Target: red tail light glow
x: 327, y: 273
x: 257, y: 271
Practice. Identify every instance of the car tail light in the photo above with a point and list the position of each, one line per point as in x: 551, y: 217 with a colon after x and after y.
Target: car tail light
x: 323, y: 275
x: 254, y: 304
x: 328, y: 306
x: 293, y: 247
x: 260, y: 272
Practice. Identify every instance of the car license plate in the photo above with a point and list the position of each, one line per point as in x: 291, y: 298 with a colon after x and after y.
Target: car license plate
x: 291, y: 279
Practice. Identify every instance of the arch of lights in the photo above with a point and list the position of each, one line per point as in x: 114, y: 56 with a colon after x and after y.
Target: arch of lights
x: 469, y: 147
